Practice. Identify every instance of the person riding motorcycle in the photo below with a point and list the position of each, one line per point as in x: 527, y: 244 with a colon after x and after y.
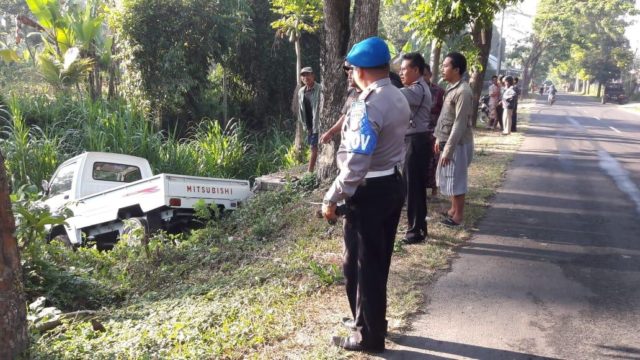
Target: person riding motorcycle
x: 552, y: 94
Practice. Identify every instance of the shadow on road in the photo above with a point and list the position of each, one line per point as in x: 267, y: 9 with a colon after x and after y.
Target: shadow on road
x: 445, y: 349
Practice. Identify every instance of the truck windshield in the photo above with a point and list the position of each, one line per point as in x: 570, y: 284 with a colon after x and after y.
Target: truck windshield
x: 116, y: 172
x: 62, y: 181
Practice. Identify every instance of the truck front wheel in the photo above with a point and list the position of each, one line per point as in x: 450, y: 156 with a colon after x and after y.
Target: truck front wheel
x: 64, y: 240
x: 135, y: 231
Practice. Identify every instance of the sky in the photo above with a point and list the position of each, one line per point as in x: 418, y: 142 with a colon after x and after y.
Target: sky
x: 633, y: 32
x: 519, y: 19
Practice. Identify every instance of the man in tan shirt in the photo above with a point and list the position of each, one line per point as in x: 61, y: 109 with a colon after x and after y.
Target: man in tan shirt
x: 454, y: 137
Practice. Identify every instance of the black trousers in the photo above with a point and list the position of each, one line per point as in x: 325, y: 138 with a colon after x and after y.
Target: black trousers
x: 499, y: 111
x: 514, y: 117
x: 416, y: 166
x: 369, y: 234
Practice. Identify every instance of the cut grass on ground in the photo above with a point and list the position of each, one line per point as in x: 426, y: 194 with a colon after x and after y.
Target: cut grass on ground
x: 266, y: 284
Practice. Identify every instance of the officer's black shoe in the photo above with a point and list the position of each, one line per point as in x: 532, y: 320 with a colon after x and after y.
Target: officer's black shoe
x: 351, y: 344
x: 350, y: 324
x: 412, y: 240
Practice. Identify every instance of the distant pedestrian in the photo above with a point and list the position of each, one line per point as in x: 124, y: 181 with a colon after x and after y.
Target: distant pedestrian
x: 509, y: 97
x: 309, y: 107
x: 494, y: 100
x: 499, y: 108
x: 437, y: 101
x: 514, y: 117
x: 455, y: 137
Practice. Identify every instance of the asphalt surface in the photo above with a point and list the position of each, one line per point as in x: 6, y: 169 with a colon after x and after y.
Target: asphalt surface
x: 554, y: 270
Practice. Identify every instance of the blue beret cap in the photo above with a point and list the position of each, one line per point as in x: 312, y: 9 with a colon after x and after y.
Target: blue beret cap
x: 369, y: 53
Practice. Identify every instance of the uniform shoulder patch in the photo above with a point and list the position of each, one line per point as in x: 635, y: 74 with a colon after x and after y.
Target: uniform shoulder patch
x: 360, y: 137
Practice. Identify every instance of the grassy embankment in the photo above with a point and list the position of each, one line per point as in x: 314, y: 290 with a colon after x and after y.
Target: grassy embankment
x: 263, y: 283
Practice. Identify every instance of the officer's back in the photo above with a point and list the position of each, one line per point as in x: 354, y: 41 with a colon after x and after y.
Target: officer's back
x: 389, y: 111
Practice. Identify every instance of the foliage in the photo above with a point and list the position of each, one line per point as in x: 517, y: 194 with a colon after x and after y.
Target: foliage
x: 173, y: 56
x: 64, y: 127
x: 328, y: 275
x: 297, y: 16
x: 439, y: 19
x: 225, y: 271
x: 392, y: 23
x: 32, y: 218
x: 62, y: 73
x: 31, y: 155
x: 583, y: 39
x: 308, y: 182
x: 76, y: 42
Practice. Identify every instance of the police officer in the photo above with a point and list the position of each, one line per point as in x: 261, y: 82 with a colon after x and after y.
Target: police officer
x: 371, y: 150
x: 419, y: 153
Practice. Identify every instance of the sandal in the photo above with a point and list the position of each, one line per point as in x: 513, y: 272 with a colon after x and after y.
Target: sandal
x: 448, y: 222
x: 445, y: 214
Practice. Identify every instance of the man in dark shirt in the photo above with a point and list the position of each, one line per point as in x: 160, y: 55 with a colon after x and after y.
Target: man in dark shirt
x: 309, y: 101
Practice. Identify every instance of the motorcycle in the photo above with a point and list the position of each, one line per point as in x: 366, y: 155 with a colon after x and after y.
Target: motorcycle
x: 483, y: 110
x: 551, y: 98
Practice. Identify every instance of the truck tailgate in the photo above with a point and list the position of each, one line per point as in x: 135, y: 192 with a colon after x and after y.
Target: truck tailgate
x: 191, y: 189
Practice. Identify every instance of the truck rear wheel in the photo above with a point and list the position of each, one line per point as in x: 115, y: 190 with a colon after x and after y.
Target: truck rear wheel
x: 135, y: 231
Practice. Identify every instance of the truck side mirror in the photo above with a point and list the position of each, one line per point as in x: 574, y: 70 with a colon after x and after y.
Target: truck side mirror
x: 45, y: 186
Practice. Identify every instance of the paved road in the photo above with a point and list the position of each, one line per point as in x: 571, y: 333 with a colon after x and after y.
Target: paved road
x: 554, y: 271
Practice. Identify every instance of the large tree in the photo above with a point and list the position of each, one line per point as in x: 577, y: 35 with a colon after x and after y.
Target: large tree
x: 13, y: 312
x: 338, y: 36
x: 173, y: 45
x: 585, y: 37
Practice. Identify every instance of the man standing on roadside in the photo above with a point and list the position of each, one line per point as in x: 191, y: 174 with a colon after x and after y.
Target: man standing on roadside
x: 454, y: 137
x: 418, y: 153
x: 369, y: 155
x: 309, y: 107
x: 514, y: 116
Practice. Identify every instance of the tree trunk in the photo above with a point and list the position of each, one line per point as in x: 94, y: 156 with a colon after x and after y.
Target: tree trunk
x: 599, y: 88
x: 13, y: 311
x: 366, y: 14
x: 434, y: 61
x: 537, y: 48
x: 334, y: 49
x: 481, y: 34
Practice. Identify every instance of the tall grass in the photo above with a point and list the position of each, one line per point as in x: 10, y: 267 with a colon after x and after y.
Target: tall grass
x: 31, y: 155
x: 44, y: 131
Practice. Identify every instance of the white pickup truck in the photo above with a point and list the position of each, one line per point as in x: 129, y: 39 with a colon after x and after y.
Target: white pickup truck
x: 103, y: 189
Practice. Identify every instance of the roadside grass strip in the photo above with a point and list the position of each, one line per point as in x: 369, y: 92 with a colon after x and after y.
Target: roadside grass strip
x: 264, y: 283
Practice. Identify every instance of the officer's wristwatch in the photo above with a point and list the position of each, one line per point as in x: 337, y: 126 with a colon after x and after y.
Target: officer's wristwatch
x: 328, y: 202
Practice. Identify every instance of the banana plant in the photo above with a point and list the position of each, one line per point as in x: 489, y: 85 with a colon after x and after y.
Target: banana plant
x: 73, y: 34
x: 62, y: 73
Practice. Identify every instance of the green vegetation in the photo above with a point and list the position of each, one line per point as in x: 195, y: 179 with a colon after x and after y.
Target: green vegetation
x: 64, y: 127
x: 262, y: 282
x: 196, y: 87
